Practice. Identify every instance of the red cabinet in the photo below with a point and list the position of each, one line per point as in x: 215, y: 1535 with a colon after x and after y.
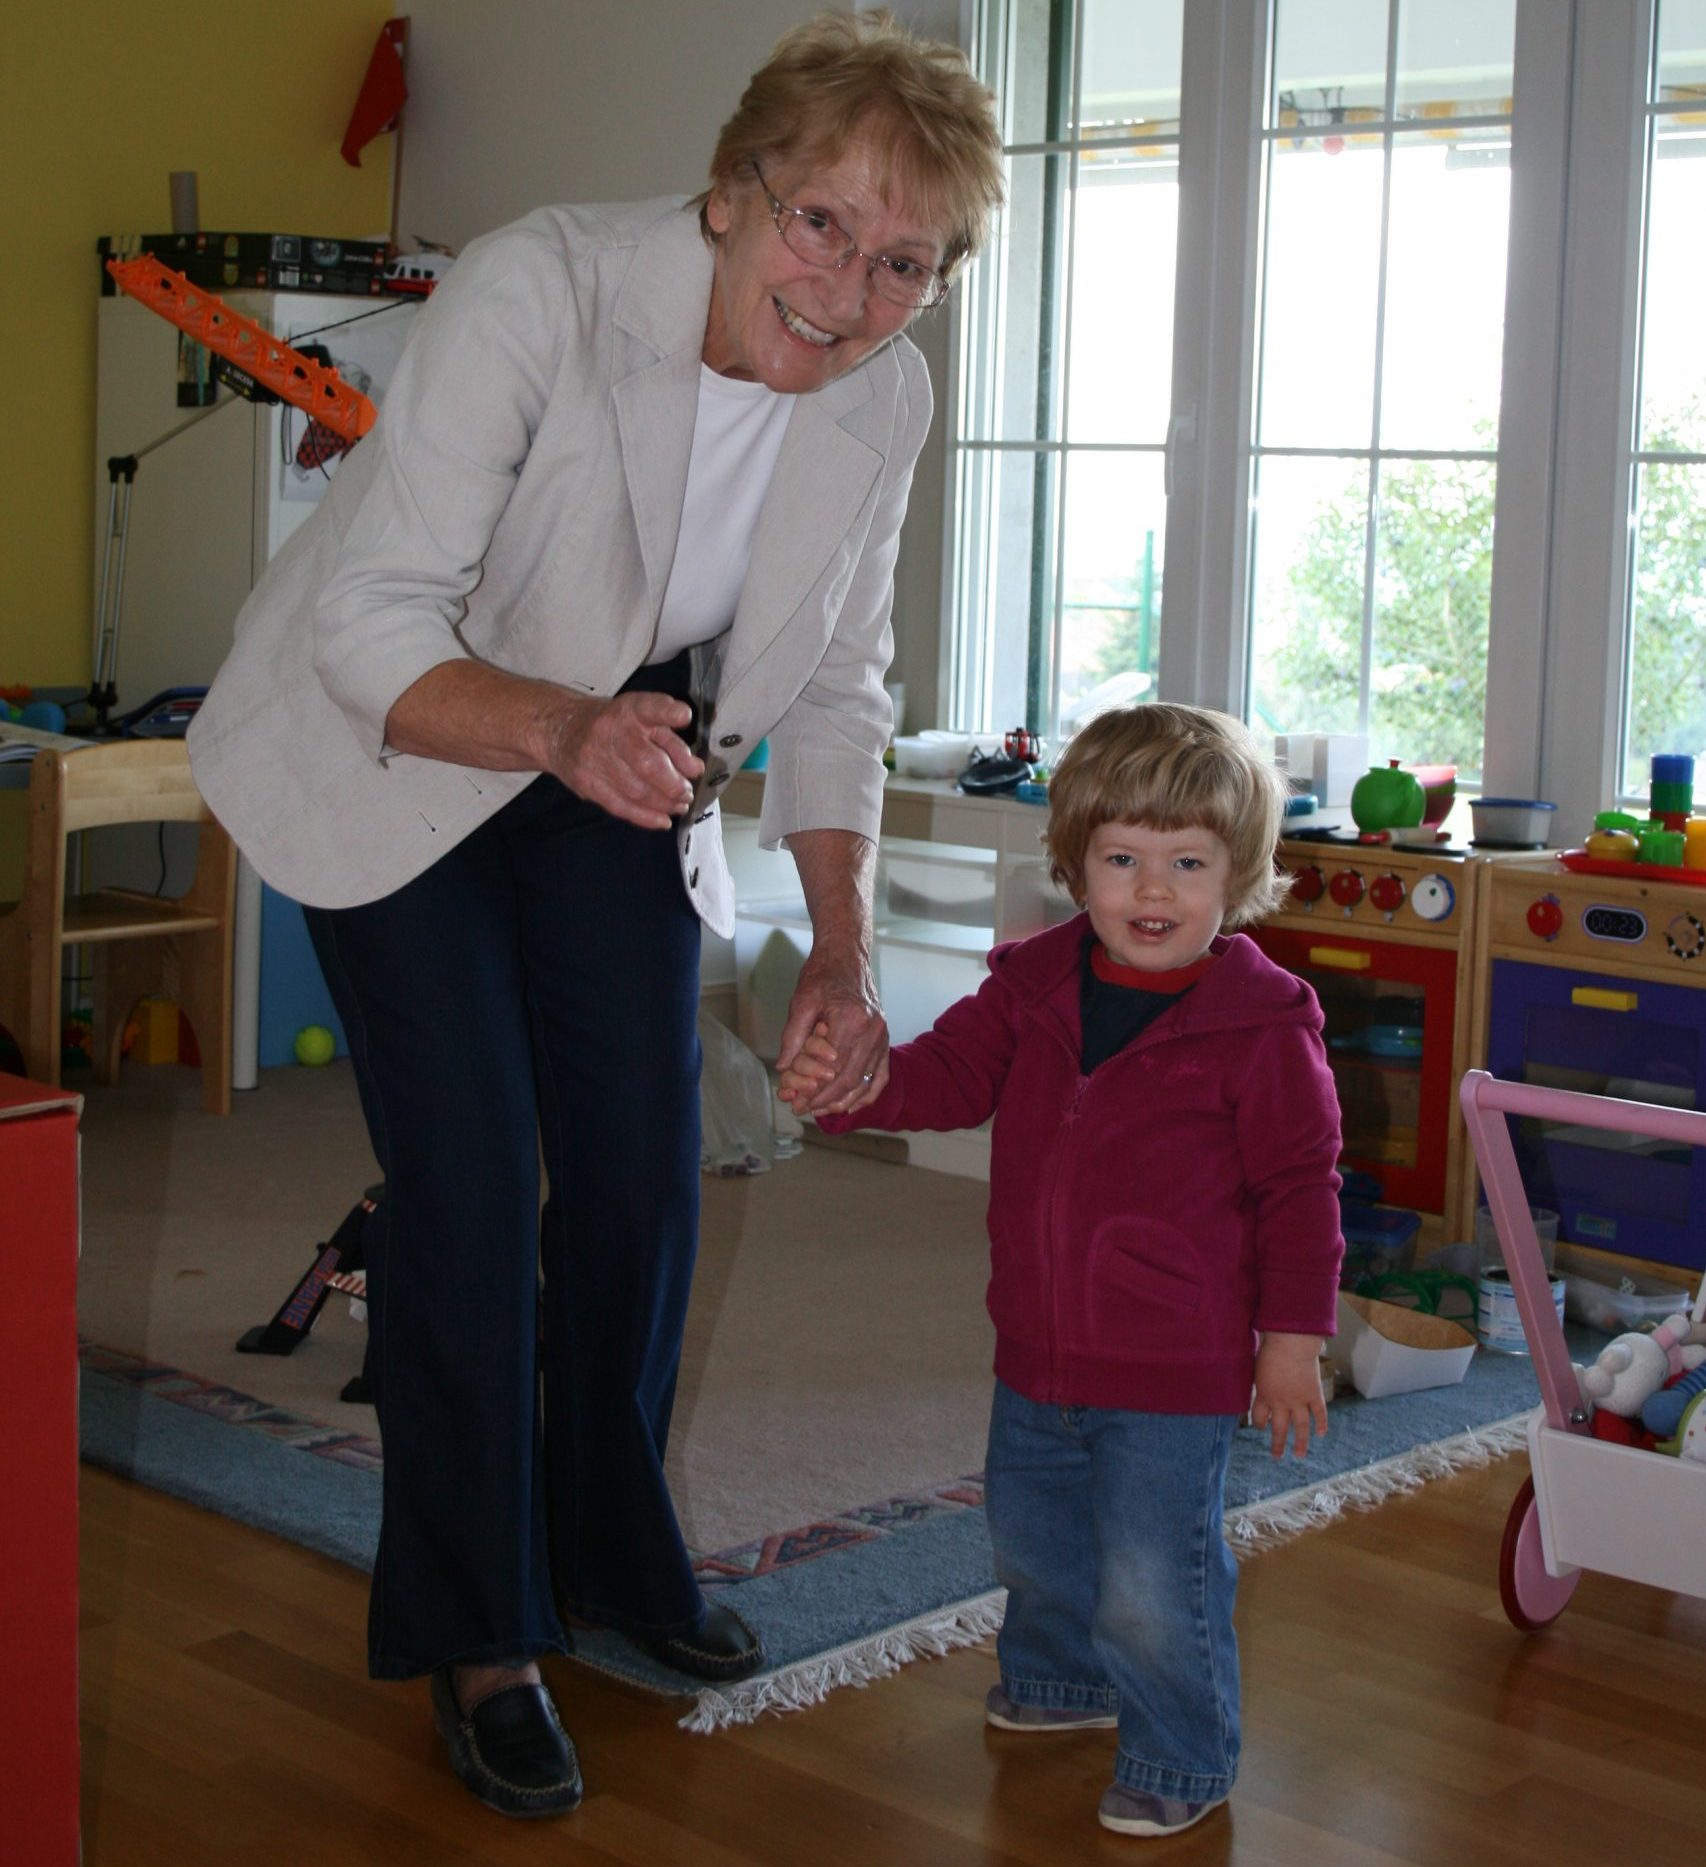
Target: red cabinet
x: 38, y: 1472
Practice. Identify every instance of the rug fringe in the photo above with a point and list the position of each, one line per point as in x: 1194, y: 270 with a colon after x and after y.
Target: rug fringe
x: 1256, y: 1527
x: 1276, y: 1520
x: 795, y: 1688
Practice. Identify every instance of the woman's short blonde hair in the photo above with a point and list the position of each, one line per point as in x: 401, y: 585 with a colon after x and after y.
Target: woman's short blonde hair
x: 843, y: 73
x: 1171, y: 768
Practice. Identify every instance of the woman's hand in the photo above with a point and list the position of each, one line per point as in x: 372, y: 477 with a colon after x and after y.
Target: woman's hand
x: 1288, y: 1391
x: 835, y: 989
x: 625, y: 755
x: 835, y: 1000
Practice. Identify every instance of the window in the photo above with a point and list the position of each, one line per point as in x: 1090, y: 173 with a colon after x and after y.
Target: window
x: 1386, y: 167
x: 1299, y: 306
x: 1665, y: 698
x: 1067, y: 365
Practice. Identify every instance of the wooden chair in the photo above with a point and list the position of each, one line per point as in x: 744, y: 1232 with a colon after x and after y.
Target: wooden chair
x: 140, y: 944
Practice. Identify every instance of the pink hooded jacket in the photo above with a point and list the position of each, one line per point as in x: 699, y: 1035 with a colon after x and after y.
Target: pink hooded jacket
x: 1148, y: 1220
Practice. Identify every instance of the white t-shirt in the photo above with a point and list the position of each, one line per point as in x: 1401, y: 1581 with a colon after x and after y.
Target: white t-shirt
x: 737, y: 434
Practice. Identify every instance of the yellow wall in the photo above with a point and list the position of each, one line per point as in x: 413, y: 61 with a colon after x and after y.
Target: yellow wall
x: 100, y: 100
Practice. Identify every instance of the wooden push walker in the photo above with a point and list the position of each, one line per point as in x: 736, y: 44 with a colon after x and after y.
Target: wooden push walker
x: 1587, y: 1503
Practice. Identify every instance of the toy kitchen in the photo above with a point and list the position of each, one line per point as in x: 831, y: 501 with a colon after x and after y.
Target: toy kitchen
x: 1380, y: 922
x: 1383, y: 934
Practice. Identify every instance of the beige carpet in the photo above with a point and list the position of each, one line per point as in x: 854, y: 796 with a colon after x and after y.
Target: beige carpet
x: 837, y: 1352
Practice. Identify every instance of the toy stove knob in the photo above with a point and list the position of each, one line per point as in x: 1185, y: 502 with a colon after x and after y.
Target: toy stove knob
x: 1686, y: 936
x: 1433, y: 898
x: 1386, y: 892
x: 1308, y: 884
x: 1346, y: 888
x: 1546, y: 918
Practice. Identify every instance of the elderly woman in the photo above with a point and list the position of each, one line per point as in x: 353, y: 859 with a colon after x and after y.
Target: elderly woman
x: 632, y: 506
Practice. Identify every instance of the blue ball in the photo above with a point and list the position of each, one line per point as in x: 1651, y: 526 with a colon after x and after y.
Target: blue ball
x: 46, y: 716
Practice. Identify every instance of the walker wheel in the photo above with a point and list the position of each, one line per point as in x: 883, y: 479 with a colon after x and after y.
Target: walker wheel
x: 1533, y: 1598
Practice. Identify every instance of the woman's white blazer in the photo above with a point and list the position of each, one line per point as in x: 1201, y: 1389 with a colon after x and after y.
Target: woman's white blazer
x: 518, y: 502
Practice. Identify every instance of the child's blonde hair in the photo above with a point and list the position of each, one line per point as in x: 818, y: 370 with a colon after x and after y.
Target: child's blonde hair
x: 1171, y: 768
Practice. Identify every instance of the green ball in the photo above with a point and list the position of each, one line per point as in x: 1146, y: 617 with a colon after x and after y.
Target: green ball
x: 315, y: 1044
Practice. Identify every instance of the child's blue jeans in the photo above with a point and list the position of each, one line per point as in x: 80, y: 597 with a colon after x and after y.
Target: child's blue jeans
x: 1107, y: 1534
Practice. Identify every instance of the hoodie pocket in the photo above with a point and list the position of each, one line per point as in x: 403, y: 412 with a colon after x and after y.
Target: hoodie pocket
x: 1145, y: 1267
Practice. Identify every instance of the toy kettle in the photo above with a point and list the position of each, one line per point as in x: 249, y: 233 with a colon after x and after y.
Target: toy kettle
x: 1386, y: 797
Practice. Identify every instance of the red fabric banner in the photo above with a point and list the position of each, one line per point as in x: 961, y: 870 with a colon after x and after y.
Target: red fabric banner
x: 383, y: 91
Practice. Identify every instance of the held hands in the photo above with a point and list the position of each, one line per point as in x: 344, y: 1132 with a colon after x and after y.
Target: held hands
x: 1288, y: 1391
x: 835, y: 1044
x: 814, y: 1065
x: 625, y: 755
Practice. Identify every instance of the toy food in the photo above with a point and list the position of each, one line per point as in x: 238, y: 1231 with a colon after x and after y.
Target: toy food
x: 1614, y: 837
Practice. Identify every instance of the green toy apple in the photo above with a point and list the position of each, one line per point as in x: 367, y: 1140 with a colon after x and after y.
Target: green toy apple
x: 1386, y: 797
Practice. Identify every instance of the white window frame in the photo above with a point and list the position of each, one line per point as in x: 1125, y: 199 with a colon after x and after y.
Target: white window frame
x: 1558, y: 635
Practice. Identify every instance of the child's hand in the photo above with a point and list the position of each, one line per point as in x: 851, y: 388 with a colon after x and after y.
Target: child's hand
x: 1288, y: 1391
x: 812, y: 1067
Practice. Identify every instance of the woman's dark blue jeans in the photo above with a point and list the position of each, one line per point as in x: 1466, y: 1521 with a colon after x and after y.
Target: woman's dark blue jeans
x: 532, y: 994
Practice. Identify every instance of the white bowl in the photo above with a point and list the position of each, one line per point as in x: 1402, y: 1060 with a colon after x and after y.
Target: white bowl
x: 932, y: 754
x: 1515, y: 822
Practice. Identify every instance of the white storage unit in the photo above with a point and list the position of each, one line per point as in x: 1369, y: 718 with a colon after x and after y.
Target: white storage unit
x: 935, y: 918
x: 955, y: 875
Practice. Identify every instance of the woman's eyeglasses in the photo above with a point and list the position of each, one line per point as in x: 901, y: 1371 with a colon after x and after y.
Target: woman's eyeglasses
x: 821, y: 240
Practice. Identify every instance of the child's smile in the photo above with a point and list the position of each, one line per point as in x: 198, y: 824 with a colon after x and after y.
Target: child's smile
x: 1156, y: 898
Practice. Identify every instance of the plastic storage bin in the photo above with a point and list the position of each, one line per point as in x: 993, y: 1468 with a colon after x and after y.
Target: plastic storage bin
x: 1631, y: 1303
x: 1379, y: 1240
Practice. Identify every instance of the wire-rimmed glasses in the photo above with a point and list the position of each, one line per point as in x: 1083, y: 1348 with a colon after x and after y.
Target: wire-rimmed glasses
x: 820, y: 240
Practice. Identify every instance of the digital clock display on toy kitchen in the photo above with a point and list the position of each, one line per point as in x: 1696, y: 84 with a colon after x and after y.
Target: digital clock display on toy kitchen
x: 1540, y: 909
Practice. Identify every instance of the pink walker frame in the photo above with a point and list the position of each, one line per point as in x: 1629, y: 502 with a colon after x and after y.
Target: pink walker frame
x: 1587, y: 1503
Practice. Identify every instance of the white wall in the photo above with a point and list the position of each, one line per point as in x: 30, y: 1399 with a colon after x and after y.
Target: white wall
x: 523, y: 102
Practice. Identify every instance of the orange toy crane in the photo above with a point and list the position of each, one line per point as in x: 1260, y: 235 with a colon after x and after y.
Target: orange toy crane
x: 289, y: 375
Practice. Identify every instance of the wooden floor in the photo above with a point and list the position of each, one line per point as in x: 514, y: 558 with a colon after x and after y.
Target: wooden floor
x: 1391, y: 1715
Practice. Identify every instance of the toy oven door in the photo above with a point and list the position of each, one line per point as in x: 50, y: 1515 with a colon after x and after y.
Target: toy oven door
x: 1390, y: 1009
x: 1609, y: 1036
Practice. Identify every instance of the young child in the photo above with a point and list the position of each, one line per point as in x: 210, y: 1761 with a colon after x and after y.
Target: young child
x: 1164, y: 1235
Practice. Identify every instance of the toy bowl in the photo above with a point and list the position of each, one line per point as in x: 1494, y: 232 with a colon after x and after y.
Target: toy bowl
x: 1511, y: 822
x: 932, y: 754
x: 1439, y: 792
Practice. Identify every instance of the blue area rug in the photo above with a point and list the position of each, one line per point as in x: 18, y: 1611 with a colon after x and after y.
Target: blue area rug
x: 838, y: 1602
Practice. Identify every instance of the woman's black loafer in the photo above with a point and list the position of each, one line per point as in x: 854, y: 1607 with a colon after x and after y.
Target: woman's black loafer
x: 722, y: 1648
x: 511, y: 1749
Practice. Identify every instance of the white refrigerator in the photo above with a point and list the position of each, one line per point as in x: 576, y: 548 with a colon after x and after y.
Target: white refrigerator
x: 208, y: 508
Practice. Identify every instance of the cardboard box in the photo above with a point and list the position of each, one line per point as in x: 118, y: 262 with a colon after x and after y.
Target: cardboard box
x: 1386, y: 1349
x: 38, y: 1472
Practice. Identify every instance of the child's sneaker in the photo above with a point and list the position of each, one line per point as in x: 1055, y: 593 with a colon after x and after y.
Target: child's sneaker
x: 1132, y: 1812
x: 1007, y: 1715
